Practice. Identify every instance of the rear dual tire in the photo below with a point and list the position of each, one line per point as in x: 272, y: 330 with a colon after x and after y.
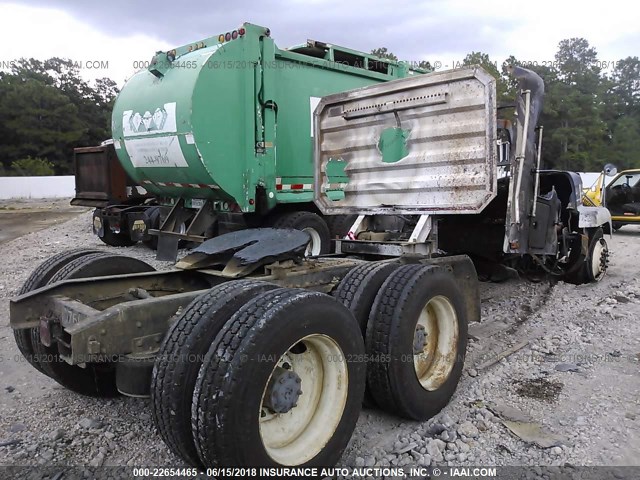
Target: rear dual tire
x: 357, y: 291
x: 417, y: 334
x: 307, y: 333
x: 230, y: 409
x: 180, y: 358
x: 95, y: 379
x: 396, y: 305
x: 39, y: 278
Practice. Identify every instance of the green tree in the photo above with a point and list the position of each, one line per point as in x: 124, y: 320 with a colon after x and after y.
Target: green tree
x: 504, y: 91
x: 626, y: 85
x: 32, y: 167
x: 621, y: 111
x: 47, y: 109
x: 382, y: 52
x: 41, y: 121
x: 577, y: 63
x: 625, y: 143
x: 101, y: 101
x: 425, y: 65
x: 575, y: 100
x: 511, y: 82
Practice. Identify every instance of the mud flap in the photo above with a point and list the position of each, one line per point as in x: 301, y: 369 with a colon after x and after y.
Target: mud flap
x: 167, y: 247
x: 465, y: 274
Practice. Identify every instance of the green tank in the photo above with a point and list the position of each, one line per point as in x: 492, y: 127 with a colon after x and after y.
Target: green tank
x: 229, y: 118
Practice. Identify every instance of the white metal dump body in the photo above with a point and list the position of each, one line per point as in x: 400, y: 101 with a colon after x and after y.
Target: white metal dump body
x: 447, y: 165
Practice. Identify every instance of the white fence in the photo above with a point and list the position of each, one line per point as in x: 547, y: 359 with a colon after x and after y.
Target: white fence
x: 37, y: 187
x: 65, y: 187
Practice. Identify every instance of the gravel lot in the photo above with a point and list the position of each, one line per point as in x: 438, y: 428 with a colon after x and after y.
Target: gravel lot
x: 19, y: 217
x: 571, y: 391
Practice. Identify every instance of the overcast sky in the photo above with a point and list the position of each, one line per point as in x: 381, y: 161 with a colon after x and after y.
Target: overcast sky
x: 124, y: 31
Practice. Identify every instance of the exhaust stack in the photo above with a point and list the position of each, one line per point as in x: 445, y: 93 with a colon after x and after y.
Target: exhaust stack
x: 525, y: 157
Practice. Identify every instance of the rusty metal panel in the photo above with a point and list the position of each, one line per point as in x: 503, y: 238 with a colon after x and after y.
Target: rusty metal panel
x: 421, y: 145
x: 99, y: 176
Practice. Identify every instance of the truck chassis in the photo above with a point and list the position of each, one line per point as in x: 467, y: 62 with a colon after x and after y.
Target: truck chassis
x: 241, y: 340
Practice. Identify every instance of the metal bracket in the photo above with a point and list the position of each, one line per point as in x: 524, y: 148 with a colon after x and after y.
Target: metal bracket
x: 357, y: 227
x: 422, y: 229
x: 536, y: 188
x: 418, y: 242
x: 169, y: 234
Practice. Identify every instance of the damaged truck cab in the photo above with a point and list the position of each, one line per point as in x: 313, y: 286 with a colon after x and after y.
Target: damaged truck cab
x: 537, y: 221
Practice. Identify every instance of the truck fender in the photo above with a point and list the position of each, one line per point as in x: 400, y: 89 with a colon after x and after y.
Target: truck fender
x: 593, y: 217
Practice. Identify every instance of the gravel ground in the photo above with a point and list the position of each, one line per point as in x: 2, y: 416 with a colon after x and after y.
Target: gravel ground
x: 22, y: 216
x: 570, y: 392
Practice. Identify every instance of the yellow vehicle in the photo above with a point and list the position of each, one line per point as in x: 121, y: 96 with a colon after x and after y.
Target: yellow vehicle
x: 621, y: 195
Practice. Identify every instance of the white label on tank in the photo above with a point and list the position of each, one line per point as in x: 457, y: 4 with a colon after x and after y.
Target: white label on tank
x: 313, y: 103
x: 189, y: 138
x: 155, y: 152
x: 116, y: 144
x: 197, y: 203
x: 161, y: 119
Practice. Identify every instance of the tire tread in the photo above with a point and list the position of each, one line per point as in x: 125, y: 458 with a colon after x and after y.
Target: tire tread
x: 200, y: 322
x: 39, y: 278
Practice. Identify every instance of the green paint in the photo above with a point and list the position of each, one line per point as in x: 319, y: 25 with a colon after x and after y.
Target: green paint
x: 226, y: 126
x: 393, y: 144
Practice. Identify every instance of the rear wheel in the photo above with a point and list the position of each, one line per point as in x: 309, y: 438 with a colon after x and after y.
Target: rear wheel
x: 180, y: 357
x: 95, y: 379
x: 308, y: 222
x: 152, y: 219
x: 282, y: 383
x: 417, y: 335
x: 357, y: 291
x: 39, y: 278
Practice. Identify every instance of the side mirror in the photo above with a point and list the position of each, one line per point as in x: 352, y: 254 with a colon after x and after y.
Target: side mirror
x: 610, y: 170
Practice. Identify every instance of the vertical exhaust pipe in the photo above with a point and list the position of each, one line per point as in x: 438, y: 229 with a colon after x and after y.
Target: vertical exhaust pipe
x: 522, y: 190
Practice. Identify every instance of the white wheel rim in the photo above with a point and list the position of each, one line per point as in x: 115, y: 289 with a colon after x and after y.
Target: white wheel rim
x: 297, y: 436
x: 314, y: 247
x: 434, y: 364
x: 597, y: 268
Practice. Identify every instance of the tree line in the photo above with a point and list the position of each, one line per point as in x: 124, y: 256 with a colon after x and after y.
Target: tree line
x: 46, y: 110
x: 591, y: 113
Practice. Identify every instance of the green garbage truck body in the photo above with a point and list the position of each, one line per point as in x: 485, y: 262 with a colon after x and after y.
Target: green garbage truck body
x: 229, y: 118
